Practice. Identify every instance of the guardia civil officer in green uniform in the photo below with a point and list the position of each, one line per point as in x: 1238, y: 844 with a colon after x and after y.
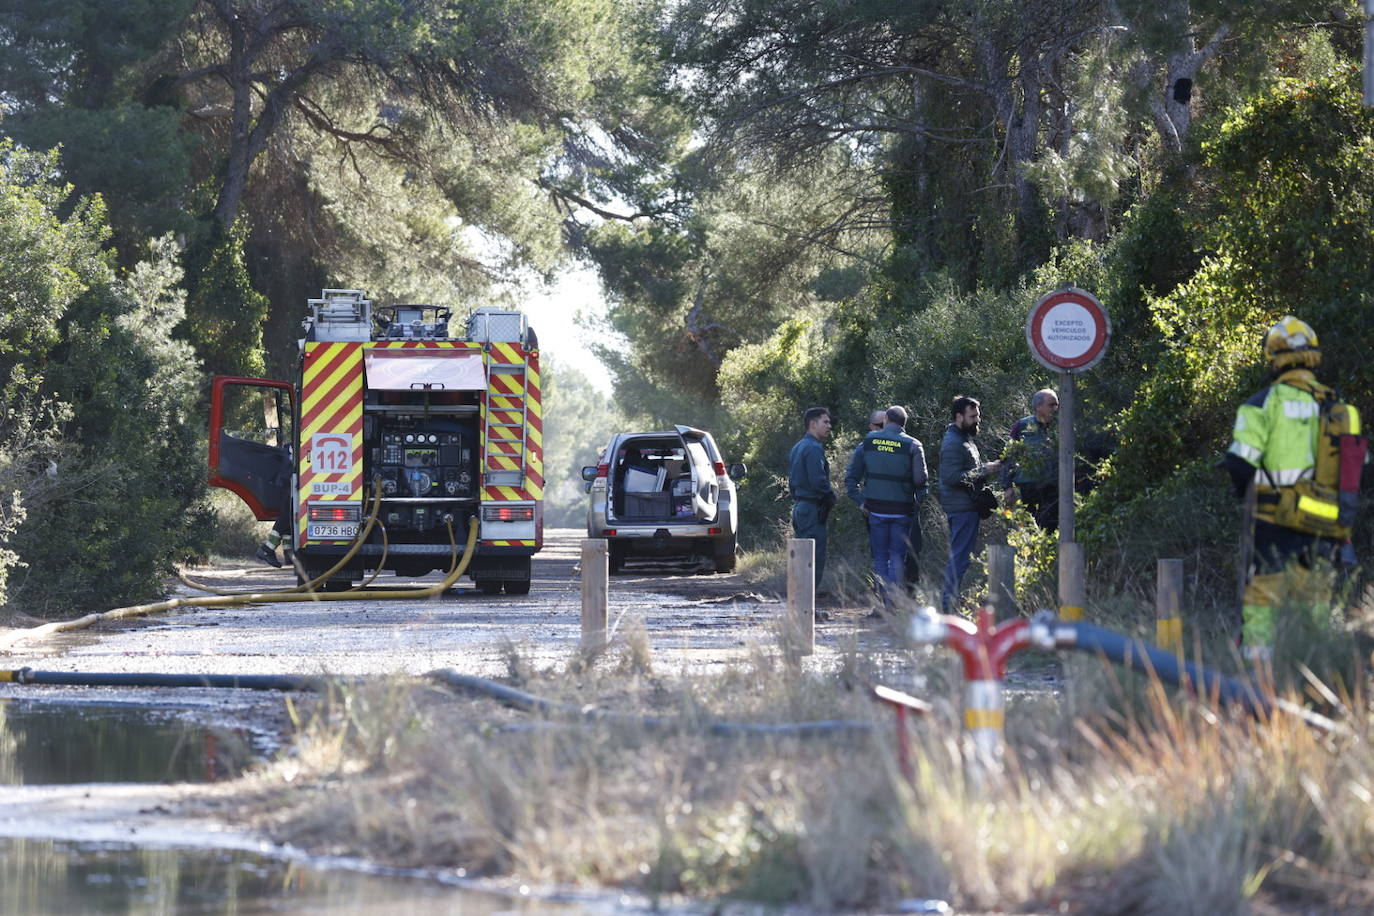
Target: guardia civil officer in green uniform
x: 1276, y: 443
x: 808, y: 483
x: 1034, y: 469
x: 888, y: 479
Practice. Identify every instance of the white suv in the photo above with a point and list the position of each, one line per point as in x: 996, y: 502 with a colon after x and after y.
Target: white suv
x: 664, y: 494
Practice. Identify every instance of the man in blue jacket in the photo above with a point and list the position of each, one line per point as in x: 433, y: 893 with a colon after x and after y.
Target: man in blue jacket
x: 808, y: 483
x: 887, y: 478
x: 962, y: 472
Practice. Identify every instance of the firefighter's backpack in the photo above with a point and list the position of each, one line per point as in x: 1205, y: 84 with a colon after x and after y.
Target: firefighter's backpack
x: 1326, y: 503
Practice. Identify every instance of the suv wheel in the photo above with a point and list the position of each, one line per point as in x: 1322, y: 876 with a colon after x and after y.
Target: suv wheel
x: 615, y: 556
x: 725, y: 557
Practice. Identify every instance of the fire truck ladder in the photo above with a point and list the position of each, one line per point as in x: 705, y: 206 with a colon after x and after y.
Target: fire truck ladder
x: 505, y: 436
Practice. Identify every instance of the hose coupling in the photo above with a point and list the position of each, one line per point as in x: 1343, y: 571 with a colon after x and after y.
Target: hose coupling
x: 1041, y: 630
x: 23, y: 676
x: 926, y: 627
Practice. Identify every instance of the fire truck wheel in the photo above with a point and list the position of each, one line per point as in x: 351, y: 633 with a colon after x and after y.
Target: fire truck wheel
x: 489, y: 586
x: 517, y: 586
x: 335, y: 584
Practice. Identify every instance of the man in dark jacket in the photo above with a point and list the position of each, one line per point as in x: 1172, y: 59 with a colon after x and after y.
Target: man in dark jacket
x: 962, y: 472
x: 808, y: 483
x: 912, y: 567
x: 887, y: 479
x: 1034, y: 472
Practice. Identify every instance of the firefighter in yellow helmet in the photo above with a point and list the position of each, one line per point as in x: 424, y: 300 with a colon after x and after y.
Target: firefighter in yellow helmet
x: 1286, y: 440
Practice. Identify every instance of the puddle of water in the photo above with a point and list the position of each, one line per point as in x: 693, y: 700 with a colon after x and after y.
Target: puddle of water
x: 51, y: 877
x: 48, y: 744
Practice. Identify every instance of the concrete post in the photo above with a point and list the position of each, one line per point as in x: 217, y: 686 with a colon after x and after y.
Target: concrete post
x: 595, y: 586
x: 1072, y: 593
x: 1002, y: 581
x: 1168, y: 603
x: 801, y: 592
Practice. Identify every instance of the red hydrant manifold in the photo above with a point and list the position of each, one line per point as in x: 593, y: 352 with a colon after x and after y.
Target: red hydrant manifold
x: 984, y: 648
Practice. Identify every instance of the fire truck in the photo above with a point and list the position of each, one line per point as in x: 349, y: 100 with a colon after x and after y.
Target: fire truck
x: 389, y: 404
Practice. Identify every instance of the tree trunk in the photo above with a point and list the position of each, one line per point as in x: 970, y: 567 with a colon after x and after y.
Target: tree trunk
x: 235, y: 179
x: 1023, y: 144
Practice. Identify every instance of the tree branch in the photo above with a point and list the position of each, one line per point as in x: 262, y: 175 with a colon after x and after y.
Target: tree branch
x: 565, y: 196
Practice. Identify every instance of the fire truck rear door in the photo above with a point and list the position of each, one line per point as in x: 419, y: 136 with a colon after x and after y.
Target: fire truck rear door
x: 252, y: 428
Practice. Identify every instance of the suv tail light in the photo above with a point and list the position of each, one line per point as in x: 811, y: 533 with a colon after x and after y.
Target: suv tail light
x: 719, y: 468
x: 603, y: 470
x: 508, y: 513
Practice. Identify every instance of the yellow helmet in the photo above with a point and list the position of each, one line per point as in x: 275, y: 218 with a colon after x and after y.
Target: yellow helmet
x: 1292, y: 343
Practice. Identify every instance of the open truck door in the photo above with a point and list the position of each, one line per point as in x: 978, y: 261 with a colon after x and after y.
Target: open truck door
x: 252, y: 429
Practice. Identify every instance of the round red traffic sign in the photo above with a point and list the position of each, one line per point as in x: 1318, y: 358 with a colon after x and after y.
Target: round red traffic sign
x: 1068, y: 330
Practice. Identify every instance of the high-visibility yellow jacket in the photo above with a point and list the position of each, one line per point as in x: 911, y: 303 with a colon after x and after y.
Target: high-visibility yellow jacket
x: 1293, y: 432
x: 1276, y: 430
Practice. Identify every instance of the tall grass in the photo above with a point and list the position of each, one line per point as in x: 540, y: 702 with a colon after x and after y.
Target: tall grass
x: 1116, y: 799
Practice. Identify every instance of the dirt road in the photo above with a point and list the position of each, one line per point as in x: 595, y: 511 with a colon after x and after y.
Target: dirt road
x: 694, y: 622
x: 694, y: 619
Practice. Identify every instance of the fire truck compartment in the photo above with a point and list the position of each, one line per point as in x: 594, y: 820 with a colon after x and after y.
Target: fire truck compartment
x: 429, y: 370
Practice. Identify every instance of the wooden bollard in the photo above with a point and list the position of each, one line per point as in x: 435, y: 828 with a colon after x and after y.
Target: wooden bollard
x: 1168, y: 606
x: 801, y: 593
x: 1072, y: 594
x: 595, y: 578
x: 1002, y: 581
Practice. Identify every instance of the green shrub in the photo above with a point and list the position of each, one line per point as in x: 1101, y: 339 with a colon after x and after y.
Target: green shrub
x: 123, y: 497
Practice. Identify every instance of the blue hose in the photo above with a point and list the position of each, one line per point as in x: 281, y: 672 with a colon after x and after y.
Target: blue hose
x: 1150, y: 659
x: 146, y: 679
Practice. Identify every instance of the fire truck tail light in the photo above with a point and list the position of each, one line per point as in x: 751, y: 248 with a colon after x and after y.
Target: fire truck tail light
x: 327, y: 513
x: 508, y: 513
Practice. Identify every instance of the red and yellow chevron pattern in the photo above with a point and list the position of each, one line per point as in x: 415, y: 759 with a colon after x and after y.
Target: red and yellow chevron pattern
x: 331, y: 453
x: 422, y: 345
x: 534, y: 429
x: 505, y: 354
x: 506, y: 446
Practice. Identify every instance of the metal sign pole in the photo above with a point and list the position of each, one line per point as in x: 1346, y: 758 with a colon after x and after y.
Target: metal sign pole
x: 1066, y: 447
x: 1067, y: 330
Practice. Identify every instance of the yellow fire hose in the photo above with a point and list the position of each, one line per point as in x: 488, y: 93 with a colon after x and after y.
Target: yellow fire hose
x: 358, y: 542
x: 288, y: 595
x: 353, y: 549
